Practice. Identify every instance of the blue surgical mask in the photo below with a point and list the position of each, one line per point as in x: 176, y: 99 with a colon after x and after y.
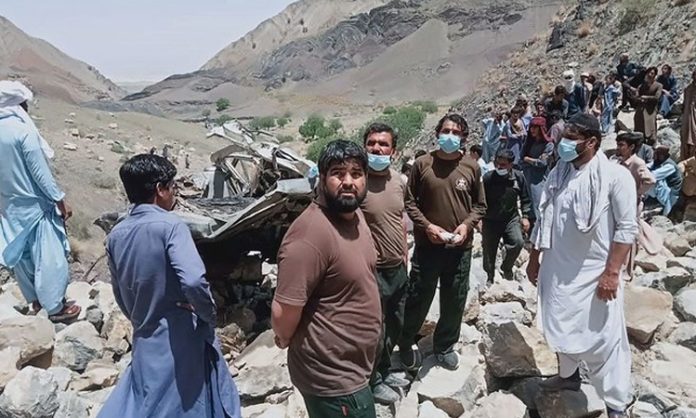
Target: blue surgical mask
x: 449, y: 143
x: 502, y: 171
x: 567, y: 150
x: 378, y: 162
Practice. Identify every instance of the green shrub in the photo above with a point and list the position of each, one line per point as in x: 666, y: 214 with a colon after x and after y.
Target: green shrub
x: 222, y: 104
x: 335, y: 125
x: 282, y: 121
x: 406, y: 121
x: 426, y: 106
x: 264, y: 122
x: 285, y: 138
x: 315, y: 148
x: 223, y: 119
x: 308, y: 130
x: 389, y: 110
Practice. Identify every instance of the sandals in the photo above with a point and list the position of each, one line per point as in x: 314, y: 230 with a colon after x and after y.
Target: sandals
x: 69, y: 313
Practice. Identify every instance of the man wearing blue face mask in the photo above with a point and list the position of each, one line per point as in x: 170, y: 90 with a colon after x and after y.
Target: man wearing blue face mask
x: 506, y: 189
x: 445, y: 200
x: 383, y: 208
x: 587, y: 225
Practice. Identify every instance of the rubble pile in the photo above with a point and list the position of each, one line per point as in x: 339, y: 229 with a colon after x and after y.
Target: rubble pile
x: 54, y: 370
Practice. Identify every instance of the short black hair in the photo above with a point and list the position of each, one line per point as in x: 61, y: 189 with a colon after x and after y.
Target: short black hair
x: 505, y: 154
x: 632, y: 138
x: 559, y: 90
x: 378, y: 128
x: 647, y: 70
x: 457, y: 119
x: 141, y: 175
x: 420, y: 153
x: 340, y: 151
x: 586, y: 125
x: 476, y: 149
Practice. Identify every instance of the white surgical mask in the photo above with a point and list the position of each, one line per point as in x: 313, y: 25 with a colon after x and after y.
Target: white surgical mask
x: 502, y: 171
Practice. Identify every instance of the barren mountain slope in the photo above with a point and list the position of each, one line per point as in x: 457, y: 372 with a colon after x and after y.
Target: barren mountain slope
x: 48, y: 70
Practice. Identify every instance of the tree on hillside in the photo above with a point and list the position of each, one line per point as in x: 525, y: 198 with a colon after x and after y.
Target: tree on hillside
x: 222, y: 104
x: 264, y: 122
x: 406, y: 121
x: 315, y: 128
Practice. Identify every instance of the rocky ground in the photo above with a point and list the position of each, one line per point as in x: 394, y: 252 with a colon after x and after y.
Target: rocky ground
x: 49, y: 370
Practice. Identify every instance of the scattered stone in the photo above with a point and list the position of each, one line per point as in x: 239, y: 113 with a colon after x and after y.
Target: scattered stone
x: 113, y: 126
x: 9, y: 365
x: 97, y: 375
x: 63, y: 376
x: 644, y: 410
x: 684, y: 335
x: 69, y: 121
x: 453, y: 391
x: 569, y: 404
x: 80, y: 293
x: 651, y: 263
x: 118, y: 332
x: 675, y: 353
x: 504, y: 291
x: 499, y: 313
x: 76, y: 346
x: 469, y: 335
x: 73, y: 406
x: 681, y: 413
x: 497, y: 402
x: 645, y: 311
x: 678, y: 380
x: 677, y: 244
x: 526, y: 390
x: 428, y: 410
x: 263, y: 369
x: 685, y: 304
x: 33, y: 335
x: 244, y: 317
x: 75, y: 133
x: 33, y: 393
x: 687, y: 263
x: 95, y: 317
x: 70, y: 146
x: 650, y: 393
x: 514, y: 350
x: 671, y: 279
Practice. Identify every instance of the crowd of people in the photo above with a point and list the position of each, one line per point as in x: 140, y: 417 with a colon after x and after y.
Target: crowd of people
x: 346, y: 298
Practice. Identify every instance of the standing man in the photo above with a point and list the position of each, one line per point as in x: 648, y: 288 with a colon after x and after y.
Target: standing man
x: 575, y: 94
x: 624, y: 71
x: 492, y: 130
x: 587, y: 226
x: 646, y: 99
x: 33, y: 210
x: 445, y: 201
x: 383, y: 208
x: 688, y: 127
x: 327, y: 306
x: 506, y: 190
x: 159, y: 283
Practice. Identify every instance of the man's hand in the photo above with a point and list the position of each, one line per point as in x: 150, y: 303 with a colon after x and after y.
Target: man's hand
x: 608, y: 286
x: 525, y: 225
x: 463, y: 232
x: 433, y: 232
x: 529, y: 160
x: 186, y: 306
x: 533, y: 267
x: 280, y: 343
x: 65, y: 210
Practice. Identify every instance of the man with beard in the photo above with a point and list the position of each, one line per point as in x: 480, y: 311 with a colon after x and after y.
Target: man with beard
x: 445, y: 200
x: 384, y: 210
x: 327, y: 305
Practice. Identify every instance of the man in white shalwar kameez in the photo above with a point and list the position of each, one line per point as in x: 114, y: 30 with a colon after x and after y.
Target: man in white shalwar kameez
x: 587, y: 226
x: 33, y: 242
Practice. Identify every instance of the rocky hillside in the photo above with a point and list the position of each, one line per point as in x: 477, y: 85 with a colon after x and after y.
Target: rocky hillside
x: 49, y: 71
x: 393, y: 52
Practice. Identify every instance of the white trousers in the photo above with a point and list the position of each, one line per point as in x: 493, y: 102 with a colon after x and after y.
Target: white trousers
x: 609, y: 372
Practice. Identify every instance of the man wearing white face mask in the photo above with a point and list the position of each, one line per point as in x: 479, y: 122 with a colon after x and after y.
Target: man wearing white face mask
x: 445, y: 200
x: 506, y: 189
x: 586, y: 228
x: 575, y: 94
x: 383, y: 208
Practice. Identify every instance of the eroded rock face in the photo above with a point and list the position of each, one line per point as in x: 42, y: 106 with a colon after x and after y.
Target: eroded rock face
x: 32, y: 393
x: 515, y: 350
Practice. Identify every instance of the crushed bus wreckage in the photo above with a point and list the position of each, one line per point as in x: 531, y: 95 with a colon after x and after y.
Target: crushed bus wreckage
x: 239, y: 209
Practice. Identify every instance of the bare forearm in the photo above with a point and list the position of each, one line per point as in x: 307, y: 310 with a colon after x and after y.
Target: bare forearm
x: 284, y: 320
x: 534, y: 256
x: 617, y: 256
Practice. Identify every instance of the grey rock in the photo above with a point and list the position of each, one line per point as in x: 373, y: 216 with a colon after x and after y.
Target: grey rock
x: 80, y: 292
x: 77, y: 345
x: 62, y: 376
x: 526, y: 390
x: 685, y: 304
x: 9, y: 365
x: 677, y: 244
x: 263, y: 369
x: 99, y: 374
x: 498, y: 313
x: 569, y: 404
x: 428, y: 410
x: 645, y: 410
x: 33, y: 393
x: 118, y: 332
x: 687, y: 263
x: 645, y: 311
x: 650, y: 393
x: 73, y: 406
x: 662, y: 224
x: 685, y: 335
x: 95, y: 316
x: 681, y: 413
x: 504, y: 291
x: 492, y: 405
x: 33, y: 335
x: 672, y: 279
x: 651, y: 263
x: 514, y: 350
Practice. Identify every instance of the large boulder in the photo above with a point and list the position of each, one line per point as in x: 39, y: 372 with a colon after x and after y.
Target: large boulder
x: 33, y: 335
x: 526, y: 390
x: 428, y: 410
x: 652, y: 263
x: 453, y: 391
x: 499, y: 313
x: 685, y: 304
x: 645, y: 309
x: 504, y: 291
x: 677, y: 244
x: 569, y: 404
x: 645, y: 410
x: 494, y: 404
x: 9, y: 365
x: 263, y: 369
x: 99, y: 374
x: 74, y: 406
x: 650, y: 393
x: 685, y: 335
x: 33, y: 393
x: 672, y: 279
x: 77, y: 345
x: 687, y: 263
x: 674, y: 371
x: 515, y: 350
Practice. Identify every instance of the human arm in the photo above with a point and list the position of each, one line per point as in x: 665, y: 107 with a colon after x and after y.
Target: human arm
x: 663, y: 172
x: 525, y: 202
x: 413, y: 210
x: 533, y: 266
x: 543, y: 160
x: 41, y: 173
x: 478, y: 208
x: 188, y: 266
x: 301, y: 267
x: 653, y: 98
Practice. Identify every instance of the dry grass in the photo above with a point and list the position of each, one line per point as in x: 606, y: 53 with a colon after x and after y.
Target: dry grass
x: 584, y: 30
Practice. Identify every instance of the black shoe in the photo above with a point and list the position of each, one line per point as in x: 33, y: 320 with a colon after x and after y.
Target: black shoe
x: 448, y: 360
x: 410, y: 359
x: 385, y: 395
x: 558, y: 383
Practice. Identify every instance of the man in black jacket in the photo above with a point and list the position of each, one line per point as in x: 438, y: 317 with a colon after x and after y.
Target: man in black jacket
x: 506, y: 193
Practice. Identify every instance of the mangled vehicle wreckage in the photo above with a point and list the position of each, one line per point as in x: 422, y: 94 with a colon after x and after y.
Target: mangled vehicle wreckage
x: 239, y: 209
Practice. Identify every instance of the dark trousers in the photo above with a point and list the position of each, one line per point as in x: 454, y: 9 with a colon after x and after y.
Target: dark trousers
x: 360, y: 404
x: 511, y: 234
x: 451, y: 267
x: 393, y: 283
